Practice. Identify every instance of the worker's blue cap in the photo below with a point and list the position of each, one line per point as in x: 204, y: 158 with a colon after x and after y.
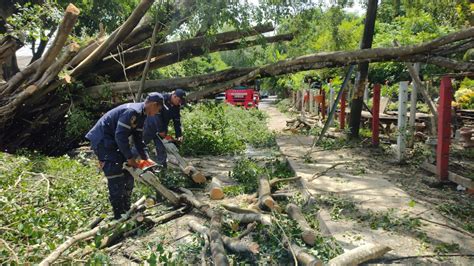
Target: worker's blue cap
x: 155, y: 97
x: 181, y: 94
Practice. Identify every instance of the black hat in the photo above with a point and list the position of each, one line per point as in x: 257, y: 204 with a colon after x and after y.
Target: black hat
x: 155, y: 97
x: 180, y: 93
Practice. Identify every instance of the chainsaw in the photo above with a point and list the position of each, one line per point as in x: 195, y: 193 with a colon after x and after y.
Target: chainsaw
x: 148, y: 173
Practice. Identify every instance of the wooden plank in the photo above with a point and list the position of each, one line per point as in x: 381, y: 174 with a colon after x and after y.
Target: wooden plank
x: 460, y: 180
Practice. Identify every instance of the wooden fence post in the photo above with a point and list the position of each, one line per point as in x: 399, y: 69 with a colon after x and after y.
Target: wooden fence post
x: 342, y: 114
x: 444, y: 129
x: 375, y: 115
x: 402, y: 120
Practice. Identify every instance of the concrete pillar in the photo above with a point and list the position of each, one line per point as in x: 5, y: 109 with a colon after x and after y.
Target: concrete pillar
x: 311, y: 101
x: 402, y: 120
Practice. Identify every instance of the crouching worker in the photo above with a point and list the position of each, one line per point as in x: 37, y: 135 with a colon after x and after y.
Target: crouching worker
x: 110, y: 142
x: 156, y: 127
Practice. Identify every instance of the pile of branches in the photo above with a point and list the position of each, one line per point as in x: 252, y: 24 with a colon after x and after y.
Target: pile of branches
x: 302, y: 122
x: 32, y: 103
x: 33, y: 109
x: 261, y: 212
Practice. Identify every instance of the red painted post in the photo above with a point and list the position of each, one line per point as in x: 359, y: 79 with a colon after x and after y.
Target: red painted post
x: 342, y: 114
x: 323, y: 103
x: 444, y: 129
x: 375, y: 115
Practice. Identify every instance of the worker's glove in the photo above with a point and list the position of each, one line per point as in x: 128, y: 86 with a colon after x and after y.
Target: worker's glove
x: 180, y: 139
x: 142, y: 164
x: 133, y: 163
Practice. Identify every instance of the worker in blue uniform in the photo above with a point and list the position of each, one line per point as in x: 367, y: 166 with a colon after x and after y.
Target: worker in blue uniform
x: 156, y: 127
x: 110, y: 142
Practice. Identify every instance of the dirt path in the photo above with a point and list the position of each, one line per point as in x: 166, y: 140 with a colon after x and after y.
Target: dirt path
x: 372, y: 194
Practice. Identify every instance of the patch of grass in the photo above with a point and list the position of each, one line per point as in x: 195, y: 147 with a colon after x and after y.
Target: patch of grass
x: 44, y: 200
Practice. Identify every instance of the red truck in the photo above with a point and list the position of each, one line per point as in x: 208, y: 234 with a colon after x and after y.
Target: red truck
x: 243, y: 95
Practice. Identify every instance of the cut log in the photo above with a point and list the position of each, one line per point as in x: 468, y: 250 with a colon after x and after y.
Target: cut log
x: 304, y: 257
x: 71, y: 241
x: 217, y: 246
x: 237, y: 209
x: 265, y: 199
x: 215, y: 189
x: 360, y: 255
x: 252, y: 217
x: 152, y: 180
x: 190, y: 199
x: 185, y: 167
x: 239, y: 246
x: 308, y: 235
x: 197, y: 227
x: 232, y: 244
x: 170, y: 215
x: 277, y: 181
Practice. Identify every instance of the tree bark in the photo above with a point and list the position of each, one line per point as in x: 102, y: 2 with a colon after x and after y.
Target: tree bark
x: 64, y: 29
x: 217, y: 246
x: 360, y: 255
x: 358, y: 99
x: 215, y: 189
x: 265, y: 199
x: 153, y: 181
x: 114, y: 39
x: 308, y: 235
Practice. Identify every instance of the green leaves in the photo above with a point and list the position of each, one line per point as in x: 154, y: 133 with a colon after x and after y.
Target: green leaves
x: 211, y: 129
x: 44, y: 199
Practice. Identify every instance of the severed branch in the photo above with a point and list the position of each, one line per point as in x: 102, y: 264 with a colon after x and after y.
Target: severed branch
x: 71, y: 241
x: 308, y: 235
x: 360, y: 255
x: 265, y: 199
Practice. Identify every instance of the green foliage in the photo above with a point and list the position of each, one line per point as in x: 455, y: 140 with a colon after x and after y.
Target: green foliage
x: 35, y: 20
x: 246, y: 172
x: 271, y: 245
x: 462, y: 212
x: 284, y: 105
x: 340, y: 206
x: 390, y: 221
x: 77, y: 122
x: 464, y: 96
x: 211, y: 129
x: 44, y: 200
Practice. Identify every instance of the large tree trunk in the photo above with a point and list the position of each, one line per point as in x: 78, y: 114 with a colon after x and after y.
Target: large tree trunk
x: 358, y: 99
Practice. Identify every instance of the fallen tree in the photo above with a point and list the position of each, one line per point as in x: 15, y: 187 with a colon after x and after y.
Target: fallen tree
x: 33, y: 101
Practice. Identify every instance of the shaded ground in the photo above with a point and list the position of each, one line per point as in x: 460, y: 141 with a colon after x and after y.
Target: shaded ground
x: 373, y: 200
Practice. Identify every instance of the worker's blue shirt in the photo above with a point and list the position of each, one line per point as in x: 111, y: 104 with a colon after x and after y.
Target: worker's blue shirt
x: 114, y: 129
x: 159, y: 123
